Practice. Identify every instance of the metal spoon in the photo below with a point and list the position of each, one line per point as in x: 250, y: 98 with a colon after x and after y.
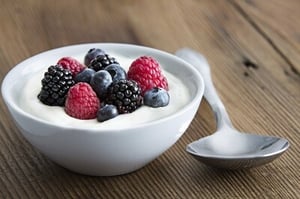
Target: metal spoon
x: 228, y: 148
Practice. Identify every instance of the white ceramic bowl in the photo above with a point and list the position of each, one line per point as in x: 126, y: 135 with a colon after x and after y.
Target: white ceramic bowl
x: 102, y: 152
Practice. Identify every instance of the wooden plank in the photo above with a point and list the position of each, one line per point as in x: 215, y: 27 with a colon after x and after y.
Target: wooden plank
x: 256, y: 81
x: 278, y: 23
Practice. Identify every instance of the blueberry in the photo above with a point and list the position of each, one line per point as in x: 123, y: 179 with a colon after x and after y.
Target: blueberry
x: 91, y: 54
x: 116, y: 72
x: 156, y: 97
x: 107, y: 112
x: 85, y: 75
x: 100, y: 82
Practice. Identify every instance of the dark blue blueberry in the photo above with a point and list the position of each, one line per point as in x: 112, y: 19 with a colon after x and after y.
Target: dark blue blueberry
x: 92, y: 54
x: 100, y: 82
x: 116, y: 71
x: 156, y: 97
x: 85, y: 75
x: 107, y: 112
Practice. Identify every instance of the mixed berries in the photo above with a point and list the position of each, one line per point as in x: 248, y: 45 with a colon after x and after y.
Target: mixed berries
x: 101, y: 88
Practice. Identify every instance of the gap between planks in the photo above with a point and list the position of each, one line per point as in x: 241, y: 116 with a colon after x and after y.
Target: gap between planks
x: 241, y: 11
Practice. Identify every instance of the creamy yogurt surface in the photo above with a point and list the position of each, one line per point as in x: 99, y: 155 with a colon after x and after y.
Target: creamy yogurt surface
x: 179, y: 97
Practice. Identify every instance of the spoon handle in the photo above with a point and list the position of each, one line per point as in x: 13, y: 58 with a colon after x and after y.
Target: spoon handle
x: 210, y: 93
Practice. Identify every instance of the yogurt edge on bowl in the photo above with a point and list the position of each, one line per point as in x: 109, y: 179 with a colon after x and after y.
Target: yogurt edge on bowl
x: 179, y: 97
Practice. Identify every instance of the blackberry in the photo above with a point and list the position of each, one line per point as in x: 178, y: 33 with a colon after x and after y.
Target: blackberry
x: 125, y: 95
x: 101, y: 61
x: 55, y: 86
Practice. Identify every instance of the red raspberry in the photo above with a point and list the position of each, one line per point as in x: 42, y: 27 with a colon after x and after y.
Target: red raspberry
x: 71, y: 64
x: 82, y: 102
x: 147, y: 73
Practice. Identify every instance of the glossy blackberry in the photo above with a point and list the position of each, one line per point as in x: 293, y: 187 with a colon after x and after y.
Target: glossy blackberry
x: 55, y: 86
x: 125, y: 95
x: 101, y: 61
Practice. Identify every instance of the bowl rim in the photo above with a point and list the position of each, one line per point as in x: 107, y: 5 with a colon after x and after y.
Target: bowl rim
x: 13, y: 104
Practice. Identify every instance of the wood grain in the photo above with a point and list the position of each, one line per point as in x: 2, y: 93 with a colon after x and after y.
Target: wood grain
x: 253, y: 48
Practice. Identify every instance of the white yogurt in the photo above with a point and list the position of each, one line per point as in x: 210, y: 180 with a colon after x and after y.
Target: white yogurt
x: 179, y: 97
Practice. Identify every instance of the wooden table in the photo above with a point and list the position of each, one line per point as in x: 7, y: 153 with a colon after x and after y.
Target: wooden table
x: 253, y: 47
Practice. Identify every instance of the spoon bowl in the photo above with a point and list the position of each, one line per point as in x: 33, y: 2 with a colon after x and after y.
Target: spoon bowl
x: 248, y: 150
x: 228, y: 148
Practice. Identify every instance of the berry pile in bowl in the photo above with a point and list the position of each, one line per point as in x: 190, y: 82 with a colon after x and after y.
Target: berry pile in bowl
x: 103, y: 109
x: 101, y: 88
